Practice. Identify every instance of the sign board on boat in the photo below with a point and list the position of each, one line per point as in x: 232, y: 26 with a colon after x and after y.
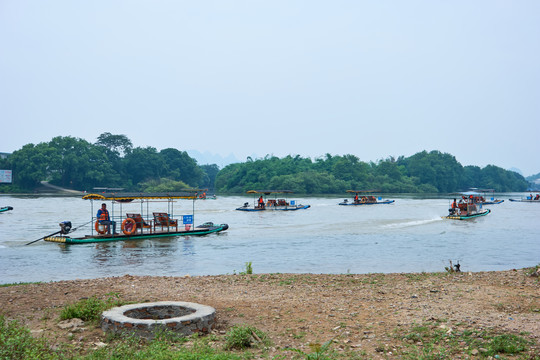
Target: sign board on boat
x: 6, y: 176
x: 187, y: 219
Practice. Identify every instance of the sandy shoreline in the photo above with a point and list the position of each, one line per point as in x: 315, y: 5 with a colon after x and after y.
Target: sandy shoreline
x: 362, y: 312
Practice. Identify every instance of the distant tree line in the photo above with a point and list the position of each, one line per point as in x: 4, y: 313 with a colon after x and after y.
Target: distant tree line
x: 112, y: 161
x: 424, y: 172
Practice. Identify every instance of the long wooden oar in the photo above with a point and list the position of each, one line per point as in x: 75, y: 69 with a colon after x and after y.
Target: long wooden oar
x: 54, y: 233
x: 63, y: 231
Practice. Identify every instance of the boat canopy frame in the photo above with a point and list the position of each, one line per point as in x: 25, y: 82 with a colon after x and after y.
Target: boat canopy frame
x: 363, y: 191
x: 127, y: 197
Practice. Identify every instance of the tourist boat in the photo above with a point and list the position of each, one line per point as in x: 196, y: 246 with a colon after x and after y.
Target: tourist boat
x: 5, y: 208
x: 204, y: 196
x: 529, y: 199
x: 481, y: 196
x: 466, y: 209
x: 138, y: 224
x: 263, y: 203
x: 364, y: 197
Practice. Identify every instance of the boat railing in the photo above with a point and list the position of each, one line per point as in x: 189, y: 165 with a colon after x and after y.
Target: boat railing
x: 144, y: 224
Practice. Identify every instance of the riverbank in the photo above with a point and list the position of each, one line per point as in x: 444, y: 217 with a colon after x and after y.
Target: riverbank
x: 370, y: 315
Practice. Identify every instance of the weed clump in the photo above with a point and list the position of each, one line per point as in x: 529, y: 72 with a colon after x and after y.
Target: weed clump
x: 90, y: 309
x: 16, y: 342
x: 244, y: 336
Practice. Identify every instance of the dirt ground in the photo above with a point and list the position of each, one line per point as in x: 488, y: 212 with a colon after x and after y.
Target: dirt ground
x: 361, y: 312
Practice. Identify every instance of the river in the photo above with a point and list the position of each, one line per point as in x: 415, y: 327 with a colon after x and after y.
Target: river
x: 407, y: 236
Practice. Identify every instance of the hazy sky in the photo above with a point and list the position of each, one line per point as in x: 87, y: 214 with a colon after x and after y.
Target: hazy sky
x: 369, y: 78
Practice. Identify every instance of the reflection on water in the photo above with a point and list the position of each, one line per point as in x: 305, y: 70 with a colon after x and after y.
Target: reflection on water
x: 408, y: 236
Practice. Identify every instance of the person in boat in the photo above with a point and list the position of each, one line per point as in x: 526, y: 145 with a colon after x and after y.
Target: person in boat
x: 356, y: 201
x: 537, y: 197
x: 261, y: 202
x: 454, y: 207
x: 462, y: 206
x: 104, y: 219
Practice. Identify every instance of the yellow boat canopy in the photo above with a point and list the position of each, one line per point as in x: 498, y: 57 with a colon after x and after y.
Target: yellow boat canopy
x: 125, y: 197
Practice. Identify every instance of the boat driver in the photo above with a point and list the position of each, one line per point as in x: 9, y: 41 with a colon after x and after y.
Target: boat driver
x: 454, y: 208
x: 104, y: 219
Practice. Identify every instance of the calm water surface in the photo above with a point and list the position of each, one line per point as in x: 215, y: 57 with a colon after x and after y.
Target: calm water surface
x: 408, y: 236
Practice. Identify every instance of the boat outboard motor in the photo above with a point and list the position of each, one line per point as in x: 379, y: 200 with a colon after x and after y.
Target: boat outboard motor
x: 65, y: 227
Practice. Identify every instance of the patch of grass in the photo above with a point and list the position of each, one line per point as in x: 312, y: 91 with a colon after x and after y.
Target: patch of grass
x: 241, y: 337
x: 19, y: 283
x: 164, y: 346
x: 249, y: 268
x: 90, y: 309
x: 507, y: 344
x: 532, y: 270
x: 433, y: 341
x: 16, y: 342
x: 318, y: 351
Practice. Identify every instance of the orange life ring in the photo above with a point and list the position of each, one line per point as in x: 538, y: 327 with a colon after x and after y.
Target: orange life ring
x: 129, y: 226
x: 100, y: 228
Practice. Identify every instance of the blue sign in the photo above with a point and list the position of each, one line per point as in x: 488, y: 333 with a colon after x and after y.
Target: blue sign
x: 293, y: 202
x: 187, y: 219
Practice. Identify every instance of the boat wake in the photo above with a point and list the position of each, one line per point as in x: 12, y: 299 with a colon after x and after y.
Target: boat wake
x: 410, y: 223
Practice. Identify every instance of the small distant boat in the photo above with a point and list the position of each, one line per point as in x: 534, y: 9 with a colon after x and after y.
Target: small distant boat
x: 5, y: 208
x: 204, y: 196
x: 465, y: 210
x: 529, y: 199
x: 138, y: 226
x: 263, y: 203
x: 365, y: 198
x: 481, y: 196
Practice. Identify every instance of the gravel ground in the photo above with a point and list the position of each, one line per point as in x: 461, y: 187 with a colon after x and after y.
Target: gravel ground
x: 362, y: 313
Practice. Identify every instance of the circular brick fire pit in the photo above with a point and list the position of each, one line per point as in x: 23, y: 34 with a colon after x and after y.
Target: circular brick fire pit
x: 146, y: 319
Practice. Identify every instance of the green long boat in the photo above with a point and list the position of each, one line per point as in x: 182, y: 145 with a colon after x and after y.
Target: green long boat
x: 137, y: 224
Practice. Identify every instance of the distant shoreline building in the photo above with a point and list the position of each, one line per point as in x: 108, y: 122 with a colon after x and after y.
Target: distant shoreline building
x: 4, y: 155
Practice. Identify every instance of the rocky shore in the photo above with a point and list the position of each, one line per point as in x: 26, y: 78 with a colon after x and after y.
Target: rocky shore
x: 367, y: 314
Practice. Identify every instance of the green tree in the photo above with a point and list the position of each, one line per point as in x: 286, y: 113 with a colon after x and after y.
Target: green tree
x: 30, y: 165
x: 117, y: 144
x: 441, y: 171
x: 143, y: 164
x: 180, y: 166
x: 80, y: 165
x: 211, y: 171
x: 162, y: 185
